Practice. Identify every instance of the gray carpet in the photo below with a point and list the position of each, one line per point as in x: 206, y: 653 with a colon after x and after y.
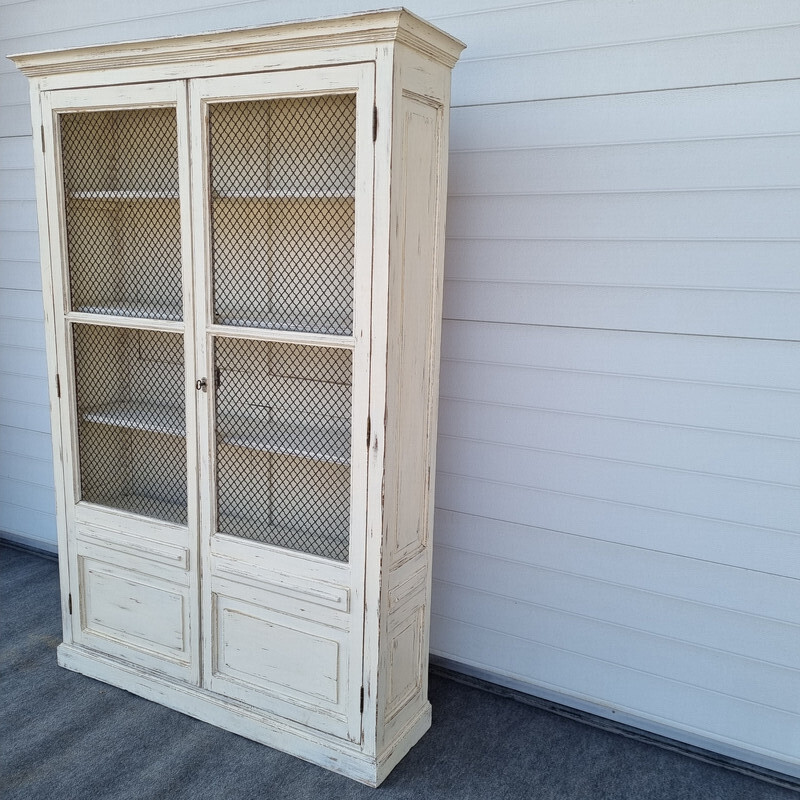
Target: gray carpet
x: 66, y: 736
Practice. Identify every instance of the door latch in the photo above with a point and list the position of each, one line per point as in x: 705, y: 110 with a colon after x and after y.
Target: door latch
x: 201, y: 385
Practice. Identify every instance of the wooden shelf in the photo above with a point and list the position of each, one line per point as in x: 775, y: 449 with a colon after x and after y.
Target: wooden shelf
x: 123, y: 194
x: 315, y: 443
x: 268, y: 194
x: 168, y: 420
x: 235, y: 318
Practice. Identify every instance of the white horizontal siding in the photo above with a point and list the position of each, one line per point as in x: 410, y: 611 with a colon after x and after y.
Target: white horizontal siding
x: 751, y: 162
x: 649, y: 697
x: 747, y: 456
x: 696, y: 405
x: 619, y: 437
x: 655, y: 263
x: 712, y: 112
x: 548, y: 610
x: 712, y: 59
x: 619, y: 454
x: 741, y: 601
x: 709, y: 312
x: 737, y: 214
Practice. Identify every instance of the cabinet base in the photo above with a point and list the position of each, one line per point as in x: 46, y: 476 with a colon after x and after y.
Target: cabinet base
x: 310, y: 745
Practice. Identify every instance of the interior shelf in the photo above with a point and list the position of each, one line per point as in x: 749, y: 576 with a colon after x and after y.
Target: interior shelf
x: 268, y: 194
x: 142, y: 417
x: 315, y: 443
x: 235, y: 318
x: 310, y: 442
x: 124, y: 194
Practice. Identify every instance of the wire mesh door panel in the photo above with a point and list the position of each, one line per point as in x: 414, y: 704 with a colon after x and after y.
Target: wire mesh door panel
x: 131, y: 420
x: 283, y: 212
x: 283, y: 431
x: 122, y: 211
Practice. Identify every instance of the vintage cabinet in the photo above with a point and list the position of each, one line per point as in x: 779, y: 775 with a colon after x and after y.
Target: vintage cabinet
x: 241, y: 239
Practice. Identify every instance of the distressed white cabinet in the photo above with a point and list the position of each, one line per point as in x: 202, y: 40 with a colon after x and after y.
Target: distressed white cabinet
x: 241, y: 237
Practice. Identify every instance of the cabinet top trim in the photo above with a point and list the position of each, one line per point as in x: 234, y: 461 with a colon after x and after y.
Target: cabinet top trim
x: 397, y: 24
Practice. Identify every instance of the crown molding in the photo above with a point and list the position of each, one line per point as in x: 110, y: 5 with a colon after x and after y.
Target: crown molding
x: 391, y: 25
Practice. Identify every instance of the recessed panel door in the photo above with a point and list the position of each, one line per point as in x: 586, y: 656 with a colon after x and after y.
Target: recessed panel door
x: 287, y: 168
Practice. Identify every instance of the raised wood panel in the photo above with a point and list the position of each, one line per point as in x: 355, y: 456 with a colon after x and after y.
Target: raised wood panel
x: 692, y: 588
x: 710, y: 112
x: 729, y: 408
x: 697, y: 665
x: 714, y: 452
x: 708, y: 264
x: 283, y: 661
x: 634, y: 67
x: 708, y: 360
x: 663, y: 531
x: 271, y: 655
x: 650, y: 696
x: 135, y: 609
x: 406, y: 659
x: 413, y: 286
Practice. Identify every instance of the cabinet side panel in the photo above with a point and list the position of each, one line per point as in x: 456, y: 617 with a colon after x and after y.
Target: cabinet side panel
x: 413, y: 361
x: 410, y: 323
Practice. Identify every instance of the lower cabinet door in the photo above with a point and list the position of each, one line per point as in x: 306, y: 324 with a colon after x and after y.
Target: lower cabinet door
x: 134, y: 609
x: 283, y: 653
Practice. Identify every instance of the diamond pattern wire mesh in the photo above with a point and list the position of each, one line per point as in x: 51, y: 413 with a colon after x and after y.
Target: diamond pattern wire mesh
x: 283, y: 215
x: 131, y: 420
x: 120, y: 173
x: 283, y: 416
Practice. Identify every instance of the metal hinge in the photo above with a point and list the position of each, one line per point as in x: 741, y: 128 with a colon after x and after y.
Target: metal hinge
x: 58, y: 385
x: 374, y: 123
x: 42, y: 129
x: 362, y: 696
x: 69, y: 603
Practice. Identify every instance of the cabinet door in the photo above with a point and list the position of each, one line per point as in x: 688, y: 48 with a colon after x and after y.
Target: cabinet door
x: 285, y: 160
x: 117, y: 180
